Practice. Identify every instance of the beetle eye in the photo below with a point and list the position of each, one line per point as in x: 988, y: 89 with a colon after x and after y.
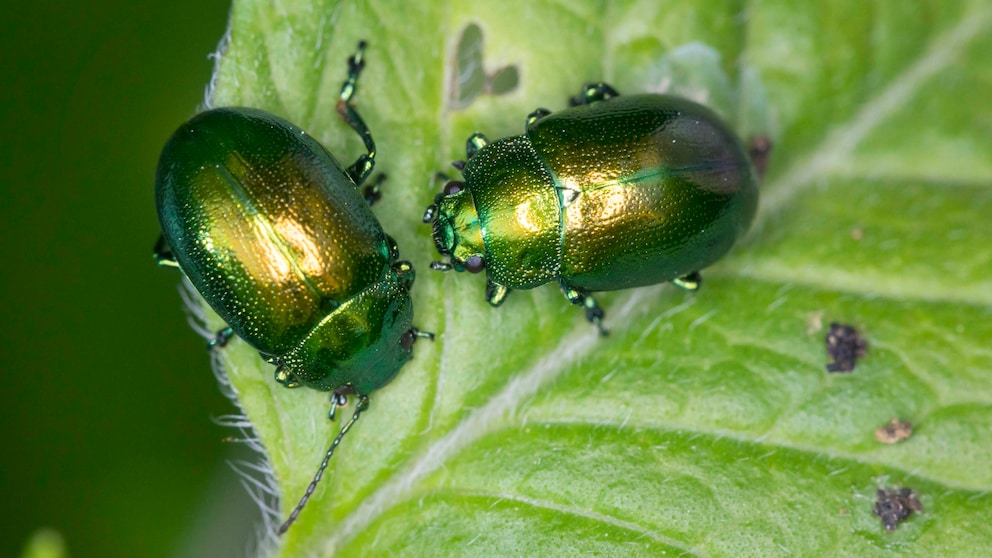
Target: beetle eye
x: 407, y: 339
x: 453, y: 187
x: 475, y: 264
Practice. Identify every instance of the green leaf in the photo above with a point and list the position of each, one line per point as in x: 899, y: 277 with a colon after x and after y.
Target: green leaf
x: 706, y: 424
x: 45, y: 543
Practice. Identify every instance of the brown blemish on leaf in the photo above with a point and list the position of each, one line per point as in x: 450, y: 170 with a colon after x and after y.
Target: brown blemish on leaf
x: 896, y: 431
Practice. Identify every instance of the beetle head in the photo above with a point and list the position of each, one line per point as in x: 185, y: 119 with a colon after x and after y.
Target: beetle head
x: 456, y: 229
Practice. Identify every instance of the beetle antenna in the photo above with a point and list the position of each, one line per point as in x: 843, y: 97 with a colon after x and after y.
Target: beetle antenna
x: 429, y: 335
x: 361, y: 405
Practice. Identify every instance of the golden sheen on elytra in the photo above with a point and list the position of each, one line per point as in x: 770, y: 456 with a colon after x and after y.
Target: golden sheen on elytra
x: 279, y: 240
x: 612, y: 193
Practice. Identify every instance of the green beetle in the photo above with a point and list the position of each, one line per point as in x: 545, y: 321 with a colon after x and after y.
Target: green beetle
x: 278, y: 238
x: 612, y: 193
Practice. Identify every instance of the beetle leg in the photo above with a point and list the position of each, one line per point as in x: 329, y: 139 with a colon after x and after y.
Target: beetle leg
x: 163, y: 253
x: 428, y: 335
x: 592, y: 93
x: 411, y: 335
x: 286, y: 378
x: 593, y: 312
x: 690, y: 282
x: 404, y: 272
x: 362, y: 167
x: 474, y: 143
x: 537, y: 115
x: 337, y: 400
x: 372, y: 192
x: 394, y: 249
x: 221, y: 339
x: 496, y: 293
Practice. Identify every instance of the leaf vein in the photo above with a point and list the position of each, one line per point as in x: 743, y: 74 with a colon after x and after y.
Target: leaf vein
x: 835, y: 150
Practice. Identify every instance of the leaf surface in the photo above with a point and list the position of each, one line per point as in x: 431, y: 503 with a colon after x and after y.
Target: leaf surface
x: 706, y: 424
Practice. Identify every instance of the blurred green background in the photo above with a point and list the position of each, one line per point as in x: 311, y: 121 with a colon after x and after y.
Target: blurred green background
x: 108, y: 397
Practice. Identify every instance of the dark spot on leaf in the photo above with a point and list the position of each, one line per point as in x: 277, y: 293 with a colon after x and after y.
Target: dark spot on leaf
x: 844, y: 346
x: 893, y: 506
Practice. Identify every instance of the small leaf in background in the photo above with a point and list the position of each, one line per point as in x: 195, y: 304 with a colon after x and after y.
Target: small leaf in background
x: 45, y: 543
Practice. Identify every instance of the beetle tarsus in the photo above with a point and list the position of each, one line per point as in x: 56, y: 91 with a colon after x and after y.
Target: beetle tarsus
x: 595, y: 315
x: 475, y: 143
x: 356, y: 63
x: 337, y: 400
x: 429, y: 335
x: 410, y: 337
x: 593, y: 312
x: 163, y: 253
x: 286, y: 378
x: 690, y: 282
x: 537, y: 115
x: 362, y: 167
x: 496, y: 293
x: 418, y: 334
x: 592, y: 93
x: 220, y: 339
x: 373, y: 192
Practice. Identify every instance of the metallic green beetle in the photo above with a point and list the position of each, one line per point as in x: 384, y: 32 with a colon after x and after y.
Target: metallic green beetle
x: 279, y: 240
x: 613, y: 193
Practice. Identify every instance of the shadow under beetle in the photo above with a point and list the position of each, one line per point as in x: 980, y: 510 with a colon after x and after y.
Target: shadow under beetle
x: 278, y: 238
x: 612, y: 193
